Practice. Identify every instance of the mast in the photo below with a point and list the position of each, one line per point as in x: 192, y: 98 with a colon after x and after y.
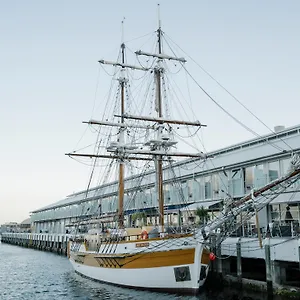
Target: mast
x: 122, y: 82
x: 159, y: 170
x: 159, y: 146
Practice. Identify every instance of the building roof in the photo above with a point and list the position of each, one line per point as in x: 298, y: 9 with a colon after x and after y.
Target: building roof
x: 26, y: 222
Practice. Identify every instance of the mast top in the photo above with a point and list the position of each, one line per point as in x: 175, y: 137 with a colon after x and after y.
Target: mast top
x: 158, y: 15
x: 122, y: 36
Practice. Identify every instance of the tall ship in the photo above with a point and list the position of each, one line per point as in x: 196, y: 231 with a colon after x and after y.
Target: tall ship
x: 140, y: 135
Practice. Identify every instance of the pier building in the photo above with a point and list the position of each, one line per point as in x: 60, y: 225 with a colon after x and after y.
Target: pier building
x: 229, y: 172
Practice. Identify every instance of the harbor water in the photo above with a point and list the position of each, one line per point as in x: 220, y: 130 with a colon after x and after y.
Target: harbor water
x: 28, y: 274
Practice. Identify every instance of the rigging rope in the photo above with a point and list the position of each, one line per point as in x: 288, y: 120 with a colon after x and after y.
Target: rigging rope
x: 230, y: 94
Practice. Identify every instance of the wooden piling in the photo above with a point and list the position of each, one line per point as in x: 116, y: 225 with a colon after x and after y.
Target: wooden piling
x: 239, y: 262
x: 268, y: 270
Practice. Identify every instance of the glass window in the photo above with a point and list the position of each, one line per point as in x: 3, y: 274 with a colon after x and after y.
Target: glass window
x: 197, y: 189
x: 207, y: 187
x: 167, y: 187
x: 236, y: 174
x: 285, y: 165
x: 176, y: 194
x: 260, y: 177
x: 296, y: 185
x: 184, y: 192
x: 148, y: 199
x: 249, y: 179
x: 167, y: 196
x: 216, y: 185
x: 224, y: 184
x: 236, y: 182
x: 284, y: 168
x: 275, y: 213
x: 273, y: 170
x: 190, y: 189
x: 104, y: 205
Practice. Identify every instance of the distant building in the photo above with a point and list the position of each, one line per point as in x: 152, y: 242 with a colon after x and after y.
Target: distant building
x: 9, y: 227
x: 24, y: 226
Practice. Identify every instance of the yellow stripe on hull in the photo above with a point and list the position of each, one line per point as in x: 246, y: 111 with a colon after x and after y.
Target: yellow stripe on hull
x: 137, y: 261
x: 205, y: 257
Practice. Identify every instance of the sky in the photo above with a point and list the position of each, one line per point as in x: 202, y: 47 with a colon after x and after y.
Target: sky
x: 49, y: 73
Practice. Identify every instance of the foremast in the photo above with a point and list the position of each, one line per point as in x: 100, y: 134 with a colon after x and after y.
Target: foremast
x: 119, y: 148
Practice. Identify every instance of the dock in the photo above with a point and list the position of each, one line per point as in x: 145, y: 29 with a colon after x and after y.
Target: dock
x: 41, y: 241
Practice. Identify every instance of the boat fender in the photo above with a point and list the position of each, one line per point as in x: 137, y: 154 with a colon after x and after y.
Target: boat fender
x: 144, y: 235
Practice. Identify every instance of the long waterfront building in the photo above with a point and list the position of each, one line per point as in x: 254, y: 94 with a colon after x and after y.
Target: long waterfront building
x: 229, y: 172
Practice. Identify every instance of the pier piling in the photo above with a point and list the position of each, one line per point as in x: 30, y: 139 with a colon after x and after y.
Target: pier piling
x: 239, y: 262
x: 269, y: 271
x: 48, y: 242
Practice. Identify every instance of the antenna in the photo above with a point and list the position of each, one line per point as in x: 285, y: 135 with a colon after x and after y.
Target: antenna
x: 122, y: 37
x: 158, y: 15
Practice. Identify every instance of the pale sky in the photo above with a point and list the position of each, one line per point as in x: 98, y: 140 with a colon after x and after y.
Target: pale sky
x: 49, y: 69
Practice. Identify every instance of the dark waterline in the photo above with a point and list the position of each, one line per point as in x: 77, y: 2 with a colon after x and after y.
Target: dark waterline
x: 31, y: 274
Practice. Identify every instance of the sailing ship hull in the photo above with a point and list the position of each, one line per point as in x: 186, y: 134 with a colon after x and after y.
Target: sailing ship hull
x: 179, y: 269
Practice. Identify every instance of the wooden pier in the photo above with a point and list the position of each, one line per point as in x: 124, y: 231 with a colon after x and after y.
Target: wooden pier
x: 42, y: 241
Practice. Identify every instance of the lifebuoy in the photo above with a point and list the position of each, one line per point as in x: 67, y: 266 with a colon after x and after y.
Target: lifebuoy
x: 144, y: 235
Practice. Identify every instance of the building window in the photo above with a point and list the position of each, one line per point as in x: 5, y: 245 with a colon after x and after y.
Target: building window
x: 167, y: 196
x: 236, y: 182
x: 207, y: 187
x: 284, y: 166
x: 197, y: 189
x: 216, y: 186
x: 260, y: 176
x: 275, y: 213
x: 190, y: 189
x: 273, y: 170
x: 249, y: 178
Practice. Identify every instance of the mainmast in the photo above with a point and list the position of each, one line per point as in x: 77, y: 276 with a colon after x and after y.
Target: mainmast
x: 159, y: 146
x: 159, y: 172
x: 122, y: 81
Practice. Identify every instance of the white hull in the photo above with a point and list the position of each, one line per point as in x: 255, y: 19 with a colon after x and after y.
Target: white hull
x: 164, y: 278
